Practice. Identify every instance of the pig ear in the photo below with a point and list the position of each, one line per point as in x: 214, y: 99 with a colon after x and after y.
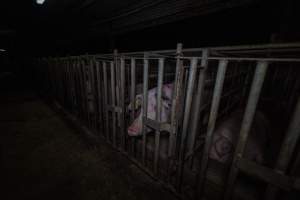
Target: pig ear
x: 138, y: 102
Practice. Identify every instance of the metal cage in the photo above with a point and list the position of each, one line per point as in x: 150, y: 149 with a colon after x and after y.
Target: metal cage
x: 209, y: 84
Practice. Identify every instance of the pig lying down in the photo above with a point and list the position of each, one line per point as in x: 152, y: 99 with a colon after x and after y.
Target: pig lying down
x: 135, y: 129
x: 225, y: 136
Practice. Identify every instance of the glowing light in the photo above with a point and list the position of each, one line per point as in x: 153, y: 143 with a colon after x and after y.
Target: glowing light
x: 2, y: 50
x: 40, y: 1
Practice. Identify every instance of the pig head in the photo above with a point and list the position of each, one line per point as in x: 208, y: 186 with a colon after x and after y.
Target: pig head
x: 135, y: 129
x: 226, y: 136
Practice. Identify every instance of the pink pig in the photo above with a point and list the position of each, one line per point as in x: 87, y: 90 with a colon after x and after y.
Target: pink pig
x: 226, y: 136
x: 135, y: 129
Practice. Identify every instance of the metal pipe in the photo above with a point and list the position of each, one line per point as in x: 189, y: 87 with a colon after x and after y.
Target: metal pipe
x: 211, y: 122
x: 188, y: 102
x: 113, y: 101
x: 122, y: 103
x: 145, y: 106
x: 158, y: 111
x: 256, y: 87
x: 175, y: 108
x: 132, y: 100
x: 198, y: 100
x: 105, y: 99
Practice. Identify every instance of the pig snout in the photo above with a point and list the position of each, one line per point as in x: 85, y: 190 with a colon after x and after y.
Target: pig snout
x: 135, y: 129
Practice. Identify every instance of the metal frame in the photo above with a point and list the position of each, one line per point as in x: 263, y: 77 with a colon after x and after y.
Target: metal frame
x: 68, y: 78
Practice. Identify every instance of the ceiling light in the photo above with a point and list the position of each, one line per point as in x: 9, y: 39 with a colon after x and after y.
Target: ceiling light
x: 2, y: 50
x: 40, y: 1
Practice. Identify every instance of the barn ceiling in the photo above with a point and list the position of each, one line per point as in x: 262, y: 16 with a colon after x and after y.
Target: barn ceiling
x: 67, y: 19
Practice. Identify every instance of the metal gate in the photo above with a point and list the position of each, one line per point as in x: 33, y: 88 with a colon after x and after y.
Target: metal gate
x: 208, y: 84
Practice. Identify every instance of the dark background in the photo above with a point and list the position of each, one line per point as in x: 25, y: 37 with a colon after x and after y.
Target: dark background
x: 72, y: 27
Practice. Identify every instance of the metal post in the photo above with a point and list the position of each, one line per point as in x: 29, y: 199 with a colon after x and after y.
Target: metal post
x: 158, y: 110
x: 256, y: 87
x: 105, y: 99
x: 99, y: 99
x: 188, y: 102
x: 122, y: 103
x: 198, y: 100
x: 145, y: 105
x: 132, y: 100
x: 177, y: 91
x: 113, y: 101
x: 211, y: 122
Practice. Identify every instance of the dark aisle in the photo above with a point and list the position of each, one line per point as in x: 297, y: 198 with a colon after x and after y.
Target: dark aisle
x: 43, y: 158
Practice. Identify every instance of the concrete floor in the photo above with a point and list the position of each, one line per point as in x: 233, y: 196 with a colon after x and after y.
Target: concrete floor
x: 42, y: 157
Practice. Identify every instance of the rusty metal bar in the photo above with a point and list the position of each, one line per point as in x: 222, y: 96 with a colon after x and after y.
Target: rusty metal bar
x: 145, y: 105
x: 256, y: 87
x: 222, y: 67
x: 188, y: 102
x: 113, y: 101
x: 287, y: 149
x: 158, y: 110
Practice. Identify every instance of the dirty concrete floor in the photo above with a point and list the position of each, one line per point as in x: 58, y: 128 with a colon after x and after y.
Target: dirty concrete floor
x: 42, y: 157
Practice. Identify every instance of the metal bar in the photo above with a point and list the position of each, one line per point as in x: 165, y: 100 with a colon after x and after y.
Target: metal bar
x: 132, y: 89
x: 222, y: 67
x: 145, y: 105
x: 175, y: 108
x: 158, y: 110
x: 158, y: 126
x: 132, y: 100
x: 256, y: 87
x: 122, y: 103
x: 198, y: 100
x: 113, y: 101
x: 99, y: 100
x: 105, y: 99
x: 93, y: 91
x: 287, y: 148
x: 241, y: 47
x: 266, y: 174
x: 188, y: 102
x: 256, y: 59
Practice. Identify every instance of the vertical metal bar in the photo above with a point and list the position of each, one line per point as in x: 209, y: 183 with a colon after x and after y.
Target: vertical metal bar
x: 93, y: 91
x: 105, y: 99
x: 188, y: 102
x: 158, y: 110
x: 132, y: 100
x: 99, y: 98
x: 198, y: 100
x: 113, y: 101
x: 211, y: 122
x: 122, y: 103
x: 87, y: 113
x: 145, y: 106
x: 287, y: 148
x: 256, y: 87
x: 117, y: 84
x: 175, y: 108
